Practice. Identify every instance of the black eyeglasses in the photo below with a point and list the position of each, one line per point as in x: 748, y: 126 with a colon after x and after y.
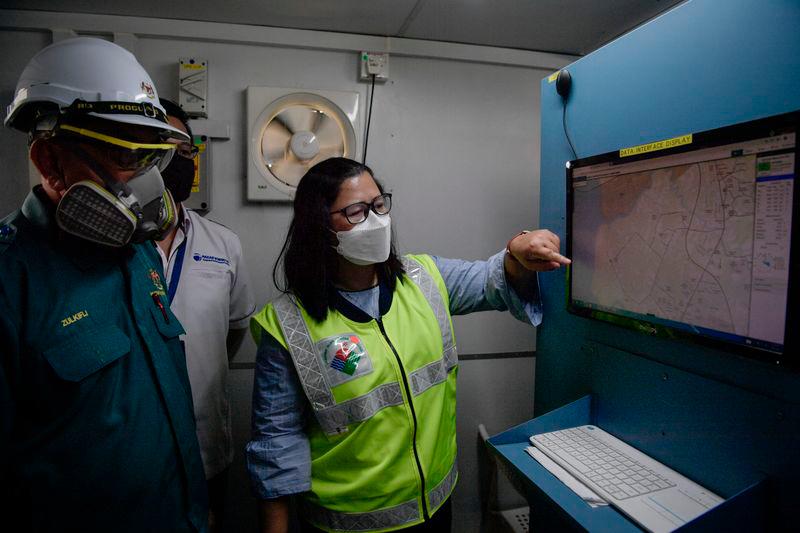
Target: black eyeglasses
x: 187, y: 150
x: 357, y: 213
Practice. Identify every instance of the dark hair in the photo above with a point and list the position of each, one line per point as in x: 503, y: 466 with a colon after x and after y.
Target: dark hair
x: 174, y: 110
x: 309, y: 256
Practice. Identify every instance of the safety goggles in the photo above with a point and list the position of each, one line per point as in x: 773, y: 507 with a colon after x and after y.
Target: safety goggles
x: 121, y: 153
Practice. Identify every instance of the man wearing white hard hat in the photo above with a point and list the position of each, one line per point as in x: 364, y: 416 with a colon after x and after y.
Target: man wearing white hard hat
x: 96, y: 423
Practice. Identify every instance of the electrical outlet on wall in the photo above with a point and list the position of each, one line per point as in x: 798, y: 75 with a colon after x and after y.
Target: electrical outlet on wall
x: 374, y: 64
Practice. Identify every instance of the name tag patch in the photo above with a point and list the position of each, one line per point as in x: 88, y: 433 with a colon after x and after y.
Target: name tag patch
x: 344, y: 358
x: 74, y: 318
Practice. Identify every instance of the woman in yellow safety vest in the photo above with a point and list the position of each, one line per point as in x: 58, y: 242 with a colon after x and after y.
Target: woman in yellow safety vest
x: 355, y: 387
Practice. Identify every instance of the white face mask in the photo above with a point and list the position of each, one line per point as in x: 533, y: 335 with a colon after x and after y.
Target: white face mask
x: 367, y: 243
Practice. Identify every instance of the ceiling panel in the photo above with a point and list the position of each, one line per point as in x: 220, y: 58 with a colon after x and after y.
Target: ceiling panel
x: 375, y: 17
x: 562, y: 26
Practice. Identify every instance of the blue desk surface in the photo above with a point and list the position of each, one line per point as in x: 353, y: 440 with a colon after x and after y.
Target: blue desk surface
x: 744, y: 509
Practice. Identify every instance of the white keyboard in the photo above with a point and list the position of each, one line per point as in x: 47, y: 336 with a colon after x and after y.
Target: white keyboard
x: 619, y: 474
x: 650, y: 493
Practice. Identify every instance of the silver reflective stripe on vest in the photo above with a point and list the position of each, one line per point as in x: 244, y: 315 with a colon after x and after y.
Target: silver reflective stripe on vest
x: 308, y: 366
x: 434, y: 373
x: 440, y: 492
x: 333, y: 418
x: 426, y: 377
x: 383, y: 518
x: 360, y: 408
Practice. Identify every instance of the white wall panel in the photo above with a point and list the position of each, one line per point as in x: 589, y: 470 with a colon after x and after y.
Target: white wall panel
x: 17, y: 47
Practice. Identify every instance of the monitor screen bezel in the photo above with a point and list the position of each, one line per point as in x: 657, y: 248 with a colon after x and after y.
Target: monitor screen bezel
x: 706, y: 139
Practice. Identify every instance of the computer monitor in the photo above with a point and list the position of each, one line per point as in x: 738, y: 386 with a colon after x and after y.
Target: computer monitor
x: 692, y: 237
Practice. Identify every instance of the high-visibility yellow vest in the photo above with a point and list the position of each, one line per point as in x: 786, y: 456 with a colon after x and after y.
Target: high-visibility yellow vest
x: 383, y: 392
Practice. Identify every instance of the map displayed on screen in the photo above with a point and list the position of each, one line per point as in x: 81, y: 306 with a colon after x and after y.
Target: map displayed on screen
x: 698, y: 240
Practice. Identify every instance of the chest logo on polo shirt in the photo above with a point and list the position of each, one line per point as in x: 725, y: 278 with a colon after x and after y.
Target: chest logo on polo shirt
x: 344, y: 357
x: 206, y: 258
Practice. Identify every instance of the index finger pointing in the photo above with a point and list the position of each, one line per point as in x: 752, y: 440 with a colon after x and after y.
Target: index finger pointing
x: 560, y: 258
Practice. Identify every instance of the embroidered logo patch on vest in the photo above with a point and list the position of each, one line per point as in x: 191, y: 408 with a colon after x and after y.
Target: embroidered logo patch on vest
x: 344, y: 357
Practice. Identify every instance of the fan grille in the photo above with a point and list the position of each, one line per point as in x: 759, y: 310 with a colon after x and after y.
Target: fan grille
x: 298, y: 131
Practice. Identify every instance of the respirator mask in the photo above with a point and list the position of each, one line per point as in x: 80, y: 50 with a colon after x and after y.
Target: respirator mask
x: 116, y: 213
x: 369, y: 242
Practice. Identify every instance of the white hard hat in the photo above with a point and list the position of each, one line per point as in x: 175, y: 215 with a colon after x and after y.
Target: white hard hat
x: 91, y: 76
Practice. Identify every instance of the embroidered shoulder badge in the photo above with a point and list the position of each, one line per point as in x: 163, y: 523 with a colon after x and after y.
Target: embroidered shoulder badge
x: 156, y: 279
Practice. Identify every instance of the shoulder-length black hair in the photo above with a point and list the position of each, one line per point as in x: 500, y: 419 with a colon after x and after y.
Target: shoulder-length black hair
x: 309, y: 254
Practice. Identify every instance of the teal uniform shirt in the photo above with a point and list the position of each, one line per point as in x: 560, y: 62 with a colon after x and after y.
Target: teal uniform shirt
x: 97, y: 429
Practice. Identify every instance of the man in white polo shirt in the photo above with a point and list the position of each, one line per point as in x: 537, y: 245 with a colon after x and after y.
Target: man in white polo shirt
x: 210, y: 293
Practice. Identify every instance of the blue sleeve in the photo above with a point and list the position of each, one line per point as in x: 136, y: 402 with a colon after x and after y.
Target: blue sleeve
x: 482, y: 286
x: 278, y: 456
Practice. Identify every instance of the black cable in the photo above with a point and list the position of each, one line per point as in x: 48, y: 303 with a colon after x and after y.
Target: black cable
x: 564, y: 123
x: 369, y: 120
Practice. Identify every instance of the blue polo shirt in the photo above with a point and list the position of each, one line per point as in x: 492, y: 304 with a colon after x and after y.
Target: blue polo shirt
x: 97, y: 430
